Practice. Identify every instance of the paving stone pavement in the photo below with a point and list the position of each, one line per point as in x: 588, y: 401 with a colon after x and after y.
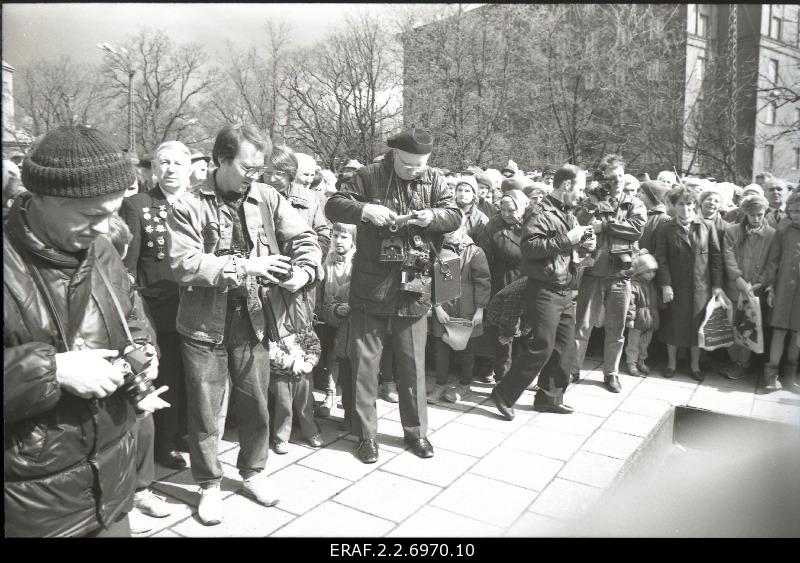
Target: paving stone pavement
x: 488, y: 478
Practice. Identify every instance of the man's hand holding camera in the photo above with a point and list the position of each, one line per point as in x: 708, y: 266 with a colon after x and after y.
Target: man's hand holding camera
x: 378, y: 215
x: 88, y: 373
x: 580, y: 234
x: 300, y: 277
x: 421, y: 218
x: 268, y: 266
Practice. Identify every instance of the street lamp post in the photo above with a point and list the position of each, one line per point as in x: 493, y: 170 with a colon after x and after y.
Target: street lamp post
x: 125, y: 58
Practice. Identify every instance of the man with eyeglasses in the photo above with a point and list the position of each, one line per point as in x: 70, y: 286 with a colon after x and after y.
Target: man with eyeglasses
x: 227, y: 238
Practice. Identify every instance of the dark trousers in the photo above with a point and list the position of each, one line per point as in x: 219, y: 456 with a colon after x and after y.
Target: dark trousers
x: 145, y: 467
x: 346, y: 385
x: 388, y: 372
x: 408, y: 339
x: 244, y: 360
x: 548, y: 349
x: 503, y: 353
x: 443, y: 362
x: 293, y: 396
x: 170, y: 424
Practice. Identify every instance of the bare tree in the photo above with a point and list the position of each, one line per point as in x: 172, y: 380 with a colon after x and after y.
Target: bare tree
x: 54, y: 93
x: 169, y: 81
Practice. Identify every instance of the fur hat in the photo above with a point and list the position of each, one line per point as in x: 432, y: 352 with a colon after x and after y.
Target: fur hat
x: 77, y: 162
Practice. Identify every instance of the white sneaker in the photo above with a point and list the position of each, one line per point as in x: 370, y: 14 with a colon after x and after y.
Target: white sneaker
x: 151, y: 504
x: 261, y: 489
x: 209, y: 510
x: 140, y: 524
x: 435, y: 393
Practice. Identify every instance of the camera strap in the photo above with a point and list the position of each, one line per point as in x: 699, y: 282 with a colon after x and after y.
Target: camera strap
x: 117, y: 305
x: 40, y: 283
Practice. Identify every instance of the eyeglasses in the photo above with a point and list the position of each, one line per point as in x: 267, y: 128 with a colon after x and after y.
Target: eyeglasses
x: 253, y: 172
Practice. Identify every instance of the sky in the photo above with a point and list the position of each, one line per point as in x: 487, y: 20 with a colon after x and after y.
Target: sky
x: 32, y: 31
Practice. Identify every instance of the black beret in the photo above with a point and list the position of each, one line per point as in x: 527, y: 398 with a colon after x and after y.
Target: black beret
x: 415, y: 141
x: 549, y: 169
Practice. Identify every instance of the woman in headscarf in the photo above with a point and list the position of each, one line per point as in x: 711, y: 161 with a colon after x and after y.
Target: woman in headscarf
x: 500, y: 241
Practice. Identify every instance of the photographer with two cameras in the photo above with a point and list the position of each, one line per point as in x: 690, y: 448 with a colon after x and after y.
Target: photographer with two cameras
x: 78, y: 355
x: 617, y: 219
x: 402, y: 210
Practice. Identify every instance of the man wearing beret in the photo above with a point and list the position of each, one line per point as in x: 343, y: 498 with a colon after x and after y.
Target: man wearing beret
x: 374, y: 198
x: 70, y: 309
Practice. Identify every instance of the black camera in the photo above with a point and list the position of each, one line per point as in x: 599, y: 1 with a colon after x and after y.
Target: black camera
x: 136, y: 385
x: 415, y: 275
x: 277, y: 275
x: 588, y: 234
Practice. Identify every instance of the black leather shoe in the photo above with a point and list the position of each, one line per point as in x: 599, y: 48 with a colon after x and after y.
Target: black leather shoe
x: 420, y: 447
x: 697, y: 375
x: 575, y: 377
x: 505, y: 411
x: 367, y: 451
x: 171, y: 459
x: 612, y: 383
x: 556, y: 409
x: 669, y: 373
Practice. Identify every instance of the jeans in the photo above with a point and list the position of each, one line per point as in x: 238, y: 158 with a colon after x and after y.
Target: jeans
x: 636, y: 347
x: 547, y: 351
x: 408, y: 337
x: 609, y: 297
x: 293, y: 396
x: 242, y: 358
x: 443, y: 363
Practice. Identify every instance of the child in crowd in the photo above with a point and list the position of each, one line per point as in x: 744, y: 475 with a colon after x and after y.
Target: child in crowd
x: 783, y: 296
x: 643, y: 317
x: 467, y: 311
x: 335, y: 311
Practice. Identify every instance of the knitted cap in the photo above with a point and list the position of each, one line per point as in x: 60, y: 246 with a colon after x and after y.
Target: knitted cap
x: 77, y: 162
x: 469, y: 181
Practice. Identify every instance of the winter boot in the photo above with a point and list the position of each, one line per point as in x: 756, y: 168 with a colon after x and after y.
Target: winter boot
x: 789, y: 376
x: 328, y: 403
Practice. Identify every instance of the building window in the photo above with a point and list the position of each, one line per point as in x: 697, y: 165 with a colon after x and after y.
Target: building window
x: 702, y: 25
x: 775, y: 28
x: 773, y: 71
x: 772, y: 110
x: 796, y: 158
x: 769, y: 151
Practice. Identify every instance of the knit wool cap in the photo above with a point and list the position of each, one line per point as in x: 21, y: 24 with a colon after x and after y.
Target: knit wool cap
x: 513, y: 183
x: 469, y: 181
x: 485, y: 179
x: 549, y: 170
x: 414, y: 141
x: 708, y: 192
x: 77, y: 162
x: 753, y: 200
x: 656, y: 191
x: 752, y: 189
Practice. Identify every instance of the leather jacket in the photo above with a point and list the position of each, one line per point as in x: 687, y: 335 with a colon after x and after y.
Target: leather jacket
x: 69, y: 462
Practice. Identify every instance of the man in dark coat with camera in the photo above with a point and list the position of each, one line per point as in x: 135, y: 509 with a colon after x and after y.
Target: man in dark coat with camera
x: 402, y: 209
x: 70, y: 434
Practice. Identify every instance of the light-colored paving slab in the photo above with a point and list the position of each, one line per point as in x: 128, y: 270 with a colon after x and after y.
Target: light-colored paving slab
x: 182, y: 486
x: 302, y: 488
x: 438, y: 416
x: 594, y: 405
x: 275, y: 462
x: 486, y: 416
x: 517, y: 467
x: 565, y: 500
x: 578, y: 423
x: 485, y: 499
x: 445, y: 467
x: 180, y: 511
x: 466, y: 439
x: 725, y: 400
x: 629, y: 423
x: 436, y: 522
x: 331, y: 519
x: 657, y: 388
x: 613, y: 444
x: 388, y: 496
x: 532, y: 525
x: 339, y: 459
x: 546, y: 442
x: 776, y: 411
x: 592, y: 469
x: 243, y: 518
x: 645, y: 406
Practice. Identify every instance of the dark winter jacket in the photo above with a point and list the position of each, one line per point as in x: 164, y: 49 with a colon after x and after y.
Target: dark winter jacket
x: 69, y: 462
x: 375, y: 285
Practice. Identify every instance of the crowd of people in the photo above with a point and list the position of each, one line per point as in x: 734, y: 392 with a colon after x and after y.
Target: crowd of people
x: 238, y: 282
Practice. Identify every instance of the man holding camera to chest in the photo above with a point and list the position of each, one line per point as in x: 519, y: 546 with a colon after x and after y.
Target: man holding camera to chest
x: 402, y: 210
x: 618, y: 221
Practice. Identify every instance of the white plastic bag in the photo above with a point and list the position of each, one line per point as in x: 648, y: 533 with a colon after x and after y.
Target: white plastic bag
x: 747, y: 326
x: 716, y: 330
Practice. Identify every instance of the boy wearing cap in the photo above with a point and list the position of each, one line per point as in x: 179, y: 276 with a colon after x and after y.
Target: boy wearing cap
x: 401, y: 185
x: 466, y: 197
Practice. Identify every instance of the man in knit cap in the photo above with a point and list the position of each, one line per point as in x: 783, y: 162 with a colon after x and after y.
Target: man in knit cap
x: 70, y: 309
x: 227, y: 239
x: 377, y: 195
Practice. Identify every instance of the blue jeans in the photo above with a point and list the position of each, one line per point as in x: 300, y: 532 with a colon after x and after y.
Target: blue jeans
x: 608, y: 298
x: 242, y: 358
